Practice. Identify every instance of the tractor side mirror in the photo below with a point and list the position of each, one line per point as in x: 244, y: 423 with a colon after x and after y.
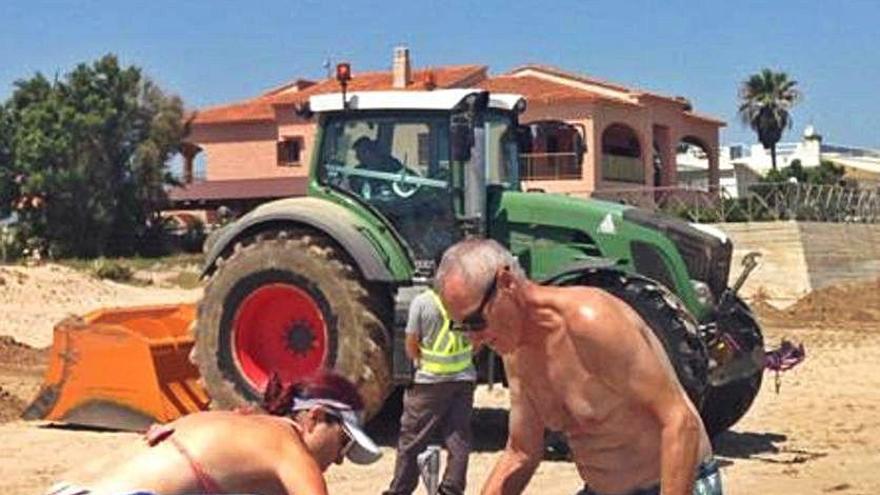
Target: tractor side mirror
x: 468, y: 110
x: 461, y: 139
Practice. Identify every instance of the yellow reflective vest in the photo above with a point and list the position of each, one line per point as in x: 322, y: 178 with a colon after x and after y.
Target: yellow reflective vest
x: 448, y: 352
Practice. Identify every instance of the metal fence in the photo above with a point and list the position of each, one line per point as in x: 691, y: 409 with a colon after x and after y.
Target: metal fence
x: 762, y: 202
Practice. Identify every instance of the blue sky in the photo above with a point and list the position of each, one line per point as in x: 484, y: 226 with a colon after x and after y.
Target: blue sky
x: 218, y: 51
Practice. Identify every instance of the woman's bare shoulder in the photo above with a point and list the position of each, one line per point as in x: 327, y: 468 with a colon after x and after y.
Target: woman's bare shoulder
x: 230, y: 425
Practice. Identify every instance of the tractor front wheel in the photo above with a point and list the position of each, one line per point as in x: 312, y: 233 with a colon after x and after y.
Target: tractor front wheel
x: 289, y: 305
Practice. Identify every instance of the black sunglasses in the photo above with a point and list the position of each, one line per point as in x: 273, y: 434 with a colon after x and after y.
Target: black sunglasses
x: 334, y: 417
x: 476, y: 322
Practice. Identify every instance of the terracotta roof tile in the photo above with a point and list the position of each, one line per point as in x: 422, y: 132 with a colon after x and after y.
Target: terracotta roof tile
x: 260, y: 108
x: 538, y: 90
x: 255, y: 110
x: 450, y: 76
x: 534, y: 88
x: 556, y: 71
x: 587, y: 79
x: 584, y: 78
x: 634, y: 92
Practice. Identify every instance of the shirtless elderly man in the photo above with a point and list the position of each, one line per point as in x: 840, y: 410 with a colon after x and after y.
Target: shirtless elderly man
x: 580, y: 361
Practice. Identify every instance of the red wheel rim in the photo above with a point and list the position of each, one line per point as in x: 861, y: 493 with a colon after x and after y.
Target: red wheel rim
x: 279, y: 328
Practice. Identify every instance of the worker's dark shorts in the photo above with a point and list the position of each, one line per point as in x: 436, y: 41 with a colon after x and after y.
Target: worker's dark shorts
x: 708, y: 482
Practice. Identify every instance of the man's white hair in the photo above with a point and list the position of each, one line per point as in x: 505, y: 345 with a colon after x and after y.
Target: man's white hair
x: 477, y: 261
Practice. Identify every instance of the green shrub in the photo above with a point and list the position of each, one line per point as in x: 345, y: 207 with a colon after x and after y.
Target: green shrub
x: 11, y: 244
x: 115, y: 270
x: 187, y: 280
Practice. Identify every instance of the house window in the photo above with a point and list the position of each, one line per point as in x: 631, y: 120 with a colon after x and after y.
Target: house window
x: 290, y: 152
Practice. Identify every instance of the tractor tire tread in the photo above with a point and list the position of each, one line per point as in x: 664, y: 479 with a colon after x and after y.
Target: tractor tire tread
x: 367, y: 360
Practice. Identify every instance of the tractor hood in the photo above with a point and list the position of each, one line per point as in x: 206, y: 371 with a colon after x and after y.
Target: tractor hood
x: 560, y: 210
x: 549, y: 231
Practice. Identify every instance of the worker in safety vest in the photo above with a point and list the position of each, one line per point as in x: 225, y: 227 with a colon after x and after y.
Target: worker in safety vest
x: 440, y: 398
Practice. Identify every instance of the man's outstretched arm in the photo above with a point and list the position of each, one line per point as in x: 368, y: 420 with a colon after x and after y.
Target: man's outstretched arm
x: 525, y: 443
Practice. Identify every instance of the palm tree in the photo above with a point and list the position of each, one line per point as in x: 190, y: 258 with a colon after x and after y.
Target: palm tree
x: 765, y: 100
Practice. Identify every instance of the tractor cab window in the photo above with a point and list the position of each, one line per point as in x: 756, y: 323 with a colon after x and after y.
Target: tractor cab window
x: 502, y: 166
x: 400, y: 165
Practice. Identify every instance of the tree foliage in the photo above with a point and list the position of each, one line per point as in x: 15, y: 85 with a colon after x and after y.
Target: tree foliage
x: 84, y: 158
x: 826, y: 173
x: 766, y: 99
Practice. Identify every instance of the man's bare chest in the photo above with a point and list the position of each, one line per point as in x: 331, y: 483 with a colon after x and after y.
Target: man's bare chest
x: 566, y: 395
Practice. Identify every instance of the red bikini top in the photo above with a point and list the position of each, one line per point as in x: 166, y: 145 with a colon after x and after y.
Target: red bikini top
x: 159, y: 432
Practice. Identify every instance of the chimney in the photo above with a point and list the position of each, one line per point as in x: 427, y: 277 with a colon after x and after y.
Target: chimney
x: 400, y: 68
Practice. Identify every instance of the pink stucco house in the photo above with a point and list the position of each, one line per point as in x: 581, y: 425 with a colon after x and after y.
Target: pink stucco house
x: 260, y: 148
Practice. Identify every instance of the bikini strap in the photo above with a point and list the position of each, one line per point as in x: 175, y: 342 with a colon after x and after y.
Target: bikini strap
x: 209, y: 486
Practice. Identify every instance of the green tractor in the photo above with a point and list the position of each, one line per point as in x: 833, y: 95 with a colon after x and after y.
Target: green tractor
x: 396, y: 178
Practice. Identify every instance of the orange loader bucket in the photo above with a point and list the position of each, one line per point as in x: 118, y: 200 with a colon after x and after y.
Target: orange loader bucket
x: 121, y: 368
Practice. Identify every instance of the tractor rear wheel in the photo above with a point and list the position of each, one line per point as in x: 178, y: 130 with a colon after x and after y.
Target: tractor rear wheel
x: 289, y: 304
x: 667, y: 317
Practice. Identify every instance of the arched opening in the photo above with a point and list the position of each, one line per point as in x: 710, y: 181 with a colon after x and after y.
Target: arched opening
x: 622, y: 155
x: 692, y: 163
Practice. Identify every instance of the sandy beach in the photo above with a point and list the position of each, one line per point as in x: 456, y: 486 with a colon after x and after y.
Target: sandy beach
x: 818, y: 434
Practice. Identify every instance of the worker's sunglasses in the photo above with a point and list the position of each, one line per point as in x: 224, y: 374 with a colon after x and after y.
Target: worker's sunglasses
x: 476, y: 321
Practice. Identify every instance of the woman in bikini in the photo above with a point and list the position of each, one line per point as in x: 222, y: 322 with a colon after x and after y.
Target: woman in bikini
x: 306, y: 427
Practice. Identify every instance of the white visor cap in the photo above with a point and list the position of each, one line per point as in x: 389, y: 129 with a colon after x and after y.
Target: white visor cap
x: 364, y: 450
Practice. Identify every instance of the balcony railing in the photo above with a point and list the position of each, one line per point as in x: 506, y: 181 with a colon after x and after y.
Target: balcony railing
x: 549, y: 166
x: 623, y: 169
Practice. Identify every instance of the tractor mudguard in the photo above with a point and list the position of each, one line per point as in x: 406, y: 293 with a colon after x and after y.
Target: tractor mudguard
x: 350, y: 231
x: 579, y: 268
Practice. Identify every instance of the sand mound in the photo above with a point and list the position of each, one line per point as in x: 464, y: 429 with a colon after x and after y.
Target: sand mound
x: 14, y: 353
x: 857, y: 302
x: 20, y: 368
x: 11, y: 406
x: 33, y: 299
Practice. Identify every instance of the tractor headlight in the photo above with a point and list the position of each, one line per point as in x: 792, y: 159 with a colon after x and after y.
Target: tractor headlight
x: 703, y: 293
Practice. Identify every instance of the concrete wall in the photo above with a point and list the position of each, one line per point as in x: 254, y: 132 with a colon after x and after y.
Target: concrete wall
x: 798, y: 257
x: 840, y: 252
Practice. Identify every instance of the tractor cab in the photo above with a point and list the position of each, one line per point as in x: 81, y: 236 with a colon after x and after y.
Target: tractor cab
x: 423, y: 160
